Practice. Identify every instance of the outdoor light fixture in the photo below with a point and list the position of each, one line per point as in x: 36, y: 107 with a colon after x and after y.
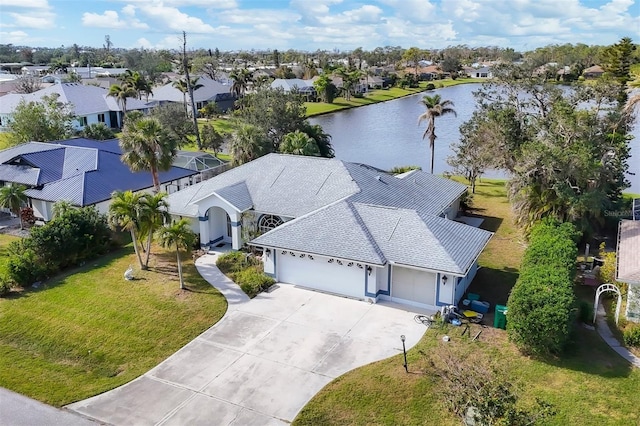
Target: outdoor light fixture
x: 369, y: 269
x: 267, y: 252
x: 404, y: 350
x: 444, y: 279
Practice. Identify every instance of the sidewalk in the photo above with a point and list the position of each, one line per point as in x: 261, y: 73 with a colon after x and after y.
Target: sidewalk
x: 605, y: 332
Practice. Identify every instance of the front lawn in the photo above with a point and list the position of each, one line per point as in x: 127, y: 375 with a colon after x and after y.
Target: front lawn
x: 90, y: 330
x: 590, y: 385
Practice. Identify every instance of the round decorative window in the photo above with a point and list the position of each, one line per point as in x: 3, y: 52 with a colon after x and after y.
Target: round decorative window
x: 268, y: 222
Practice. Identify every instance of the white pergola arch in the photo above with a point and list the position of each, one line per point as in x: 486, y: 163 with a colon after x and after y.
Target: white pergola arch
x: 603, y: 288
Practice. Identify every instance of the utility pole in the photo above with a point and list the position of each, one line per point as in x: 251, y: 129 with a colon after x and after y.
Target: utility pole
x: 185, y: 65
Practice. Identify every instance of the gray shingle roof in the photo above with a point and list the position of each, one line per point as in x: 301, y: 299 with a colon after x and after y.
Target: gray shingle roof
x: 86, y: 100
x: 377, y: 235
x: 208, y: 92
x: 237, y: 195
x: 286, y: 185
x: 628, y: 265
x: 334, y: 231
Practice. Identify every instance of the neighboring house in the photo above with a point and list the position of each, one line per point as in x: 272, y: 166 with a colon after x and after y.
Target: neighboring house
x: 303, y: 87
x: 484, y: 72
x: 341, y: 227
x: 82, y: 171
x: 211, y: 91
x: 628, y: 261
x: 90, y: 104
x: 593, y: 72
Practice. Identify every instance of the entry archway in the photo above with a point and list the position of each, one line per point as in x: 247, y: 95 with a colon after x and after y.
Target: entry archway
x: 603, y: 288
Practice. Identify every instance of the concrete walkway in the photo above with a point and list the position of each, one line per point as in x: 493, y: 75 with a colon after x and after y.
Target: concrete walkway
x: 605, y: 332
x: 262, y: 362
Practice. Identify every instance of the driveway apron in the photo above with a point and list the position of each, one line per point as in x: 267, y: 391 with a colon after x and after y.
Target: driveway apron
x: 261, y: 363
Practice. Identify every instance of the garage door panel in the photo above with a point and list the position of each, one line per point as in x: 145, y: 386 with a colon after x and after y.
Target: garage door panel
x: 320, y: 274
x: 413, y: 285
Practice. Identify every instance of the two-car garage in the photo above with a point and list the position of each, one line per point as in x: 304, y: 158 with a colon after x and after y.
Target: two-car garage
x: 321, y: 273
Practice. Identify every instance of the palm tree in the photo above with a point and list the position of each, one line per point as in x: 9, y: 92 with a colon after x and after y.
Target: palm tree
x: 299, y: 143
x: 125, y: 213
x: 138, y: 83
x: 241, y: 79
x: 248, y: 142
x: 181, y: 85
x: 322, y: 139
x: 436, y: 107
x: 178, y: 235
x: 154, y: 214
x: 121, y: 92
x: 349, y: 80
x: 147, y: 146
x: 12, y: 197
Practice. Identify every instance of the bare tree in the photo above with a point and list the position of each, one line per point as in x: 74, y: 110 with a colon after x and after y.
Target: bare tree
x: 27, y: 84
x: 185, y: 65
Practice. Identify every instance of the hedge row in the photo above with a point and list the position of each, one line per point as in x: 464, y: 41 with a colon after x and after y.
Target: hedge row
x: 541, y: 304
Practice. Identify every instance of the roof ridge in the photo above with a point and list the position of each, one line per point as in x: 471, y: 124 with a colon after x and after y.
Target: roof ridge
x: 364, y: 227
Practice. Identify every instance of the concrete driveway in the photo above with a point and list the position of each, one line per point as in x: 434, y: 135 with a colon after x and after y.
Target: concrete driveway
x: 261, y: 363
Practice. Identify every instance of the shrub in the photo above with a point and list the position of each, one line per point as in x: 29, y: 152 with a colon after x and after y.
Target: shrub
x: 631, y: 336
x: 252, y: 281
x: 26, y: 268
x: 430, y: 86
x: 5, y: 286
x: 233, y: 261
x: 541, y: 303
x: 586, y: 312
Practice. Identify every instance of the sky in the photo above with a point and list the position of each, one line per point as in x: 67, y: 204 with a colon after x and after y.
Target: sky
x: 317, y: 24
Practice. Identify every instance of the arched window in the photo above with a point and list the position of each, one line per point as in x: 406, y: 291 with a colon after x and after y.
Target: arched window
x: 267, y: 222
x: 228, y: 226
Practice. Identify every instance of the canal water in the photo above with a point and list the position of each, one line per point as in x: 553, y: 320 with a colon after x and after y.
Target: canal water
x: 387, y: 134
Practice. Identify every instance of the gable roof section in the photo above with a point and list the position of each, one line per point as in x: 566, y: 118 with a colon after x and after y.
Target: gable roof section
x: 419, y: 191
x: 628, y: 259
x: 332, y: 231
x: 435, y: 243
x: 237, y: 195
x: 208, y: 92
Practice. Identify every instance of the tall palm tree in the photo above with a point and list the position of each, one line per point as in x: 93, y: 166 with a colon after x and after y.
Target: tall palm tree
x: 349, y: 80
x: 121, y: 92
x: 154, y: 214
x: 299, y: 143
x: 12, y: 197
x: 248, y: 142
x: 147, y: 146
x: 125, y: 213
x: 241, y: 79
x: 181, y: 85
x: 178, y: 235
x: 138, y: 82
x: 436, y: 107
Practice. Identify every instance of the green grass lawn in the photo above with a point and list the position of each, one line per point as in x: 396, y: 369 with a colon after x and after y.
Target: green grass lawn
x: 5, y: 239
x: 590, y: 385
x: 375, y: 96
x: 89, y: 331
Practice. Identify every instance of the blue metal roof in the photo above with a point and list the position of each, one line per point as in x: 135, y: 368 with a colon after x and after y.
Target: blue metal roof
x: 81, y: 171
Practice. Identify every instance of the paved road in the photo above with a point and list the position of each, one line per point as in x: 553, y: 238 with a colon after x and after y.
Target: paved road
x: 18, y: 410
x: 261, y: 363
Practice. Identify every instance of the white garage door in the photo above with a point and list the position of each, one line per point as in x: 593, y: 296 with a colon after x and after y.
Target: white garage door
x: 411, y: 285
x: 319, y: 274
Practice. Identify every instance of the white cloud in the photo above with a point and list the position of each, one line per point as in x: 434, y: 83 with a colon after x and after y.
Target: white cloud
x: 173, y: 19
x: 257, y: 16
x: 110, y: 19
x: 213, y: 4
x: 413, y: 10
x: 35, y: 19
x: 14, y: 37
x: 31, y: 4
x: 365, y: 14
x: 313, y: 7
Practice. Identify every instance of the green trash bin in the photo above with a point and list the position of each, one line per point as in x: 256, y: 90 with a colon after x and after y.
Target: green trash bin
x: 500, y: 318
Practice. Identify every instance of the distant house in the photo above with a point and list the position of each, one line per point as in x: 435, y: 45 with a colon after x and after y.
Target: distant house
x: 304, y: 87
x: 593, y: 72
x: 484, y: 72
x: 90, y: 104
x: 212, y: 91
x: 83, y: 172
